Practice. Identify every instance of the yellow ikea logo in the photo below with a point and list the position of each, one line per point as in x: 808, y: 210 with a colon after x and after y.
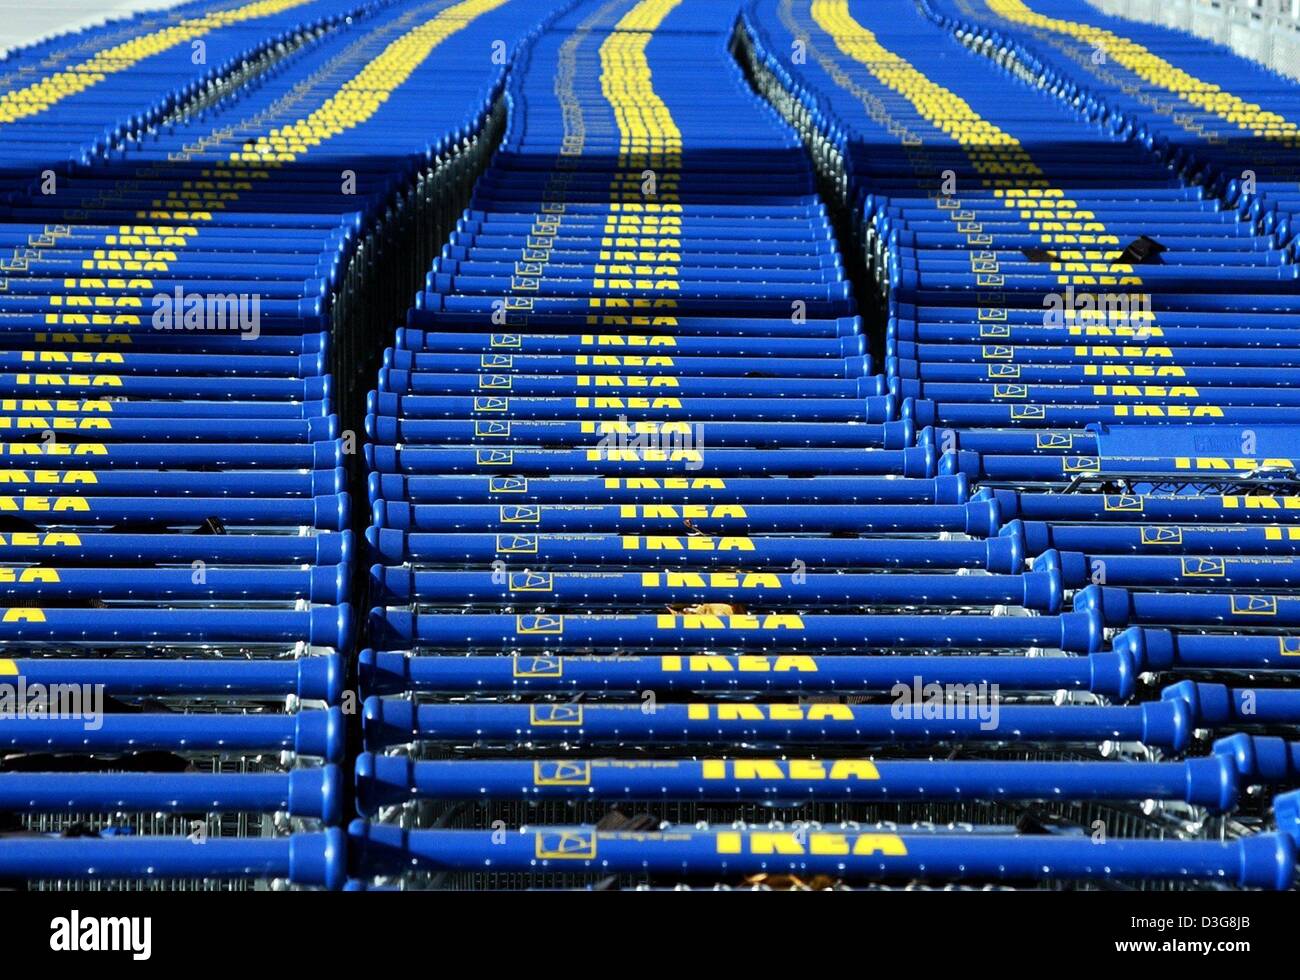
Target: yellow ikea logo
x: 627, y: 403
x: 32, y: 539
x: 772, y: 770
x: 631, y: 340
x: 744, y: 711
x: 72, y: 357
x: 662, y: 543
x: 627, y: 381
x: 63, y: 380
x: 687, y: 511
x: 12, y: 575
x: 43, y: 423
x: 748, y: 664
x: 53, y: 449
x: 1133, y: 371
x: 818, y: 842
x: 43, y: 477
x: 1261, y: 503
x: 1167, y: 411
x: 666, y: 483
x: 1231, y: 463
x: 695, y: 621
x: 615, y: 360
x: 57, y: 505
x: 716, y: 580
x: 645, y: 456
x: 55, y: 405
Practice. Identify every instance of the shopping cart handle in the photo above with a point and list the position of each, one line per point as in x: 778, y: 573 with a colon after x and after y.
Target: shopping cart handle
x: 1265, y: 758
x: 1286, y: 814
x: 303, y: 793
x: 313, y: 859
x: 1212, y: 781
x: 1258, y: 861
x: 383, y: 781
x: 312, y: 678
x: 1217, y: 704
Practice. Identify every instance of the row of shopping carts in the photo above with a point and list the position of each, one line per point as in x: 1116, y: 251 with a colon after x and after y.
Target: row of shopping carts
x: 683, y: 579
x: 1223, y: 122
x: 199, y: 246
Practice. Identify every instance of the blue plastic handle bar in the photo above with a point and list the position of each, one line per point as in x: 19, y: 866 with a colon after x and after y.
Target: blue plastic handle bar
x: 133, y: 550
x: 611, y: 382
x: 87, y: 511
x: 1005, y: 553
x: 1204, y: 539
x: 112, y: 456
x: 1213, y: 781
x: 1117, y: 508
x: 306, y: 793
x: 1259, y: 861
x: 1109, y: 673
x: 321, y: 583
x: 661, y: 321
x: 1157, y: 650
x: 563, y: 342
x: 766, y: 435
x: 388, y: 722
x: 976, y: 519
x: 398, y: 585
x: 400, y: 628
x: 673, y: 490
x: 312, y: 859
x: 41, y: 481
x: 322, y: 625
x: 313, y: 678
x: 1121, y: 607
x: 1078, y: 570
x: 506, y: 406
x: 635, y: 403
x: 309, y: 733
x: 1166, y: 723
x: 652, y: 364
x: 913, y: 462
